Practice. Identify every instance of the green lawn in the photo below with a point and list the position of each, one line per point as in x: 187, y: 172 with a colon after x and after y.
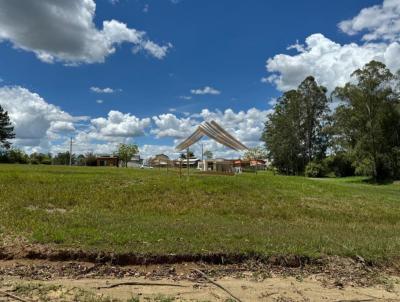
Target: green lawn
x: 155, y: 212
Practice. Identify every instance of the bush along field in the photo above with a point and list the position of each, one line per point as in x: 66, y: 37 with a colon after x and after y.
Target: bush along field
x: 155, y: 212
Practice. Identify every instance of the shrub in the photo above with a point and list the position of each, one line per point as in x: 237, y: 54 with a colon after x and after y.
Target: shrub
x: 90, y: 159
x: 3, y: 156
x: 46, y: 161
x: 34, y: 161
x: 364, y: 167
x: 17, y: 156
x: 315, y: 169
x: 340, y: 164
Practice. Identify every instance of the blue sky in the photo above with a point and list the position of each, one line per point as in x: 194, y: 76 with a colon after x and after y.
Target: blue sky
x: 198, y: 60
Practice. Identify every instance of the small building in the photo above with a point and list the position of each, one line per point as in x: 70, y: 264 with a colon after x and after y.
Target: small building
x: 241, y: 165
x: 134, y: 162
x: 107, y: 161
x: 182, y: 162
x: 160, y: 160
x: 220, y: 165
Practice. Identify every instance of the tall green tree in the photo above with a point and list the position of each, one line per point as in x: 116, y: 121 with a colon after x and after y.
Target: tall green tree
x: 367, y: 122
x: 255, y: 153
x: 6, y: 129
x: 314, y: 119
x: 90, y: 159
x: 208, y: 154
x: 40, y: 158
x: 282, y: 136
x: 183, y: 155
x: 296, y: 132
x: 126, y: 152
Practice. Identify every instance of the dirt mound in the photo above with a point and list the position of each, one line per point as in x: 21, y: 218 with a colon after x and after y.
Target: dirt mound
x: 20, y: 249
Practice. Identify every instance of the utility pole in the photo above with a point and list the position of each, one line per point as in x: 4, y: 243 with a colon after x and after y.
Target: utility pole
x: 70, y: 152
x: 187, y: 162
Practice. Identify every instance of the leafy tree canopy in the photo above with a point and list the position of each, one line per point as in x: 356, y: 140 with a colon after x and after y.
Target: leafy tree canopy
x: 208, y: 154
x: 126, y: 152
x: 367, y: 122
x: 6, y: 129
x: 297, y: 131
x: 255, y: 153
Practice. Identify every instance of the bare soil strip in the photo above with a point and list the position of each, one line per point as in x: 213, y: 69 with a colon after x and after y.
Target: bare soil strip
x: 45, y: 273
x: 337, y: 280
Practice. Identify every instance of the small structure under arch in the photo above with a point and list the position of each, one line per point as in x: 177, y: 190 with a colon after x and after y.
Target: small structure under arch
x: 220, y: 135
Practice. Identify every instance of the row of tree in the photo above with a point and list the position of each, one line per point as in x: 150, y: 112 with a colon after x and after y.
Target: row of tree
x: 359, y: 135
x: 17, y: 156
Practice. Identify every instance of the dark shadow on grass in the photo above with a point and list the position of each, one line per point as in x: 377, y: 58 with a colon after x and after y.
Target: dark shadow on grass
x: 372, y: 181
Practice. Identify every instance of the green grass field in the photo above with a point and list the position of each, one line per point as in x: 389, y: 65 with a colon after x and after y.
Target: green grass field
x: 155, y: 212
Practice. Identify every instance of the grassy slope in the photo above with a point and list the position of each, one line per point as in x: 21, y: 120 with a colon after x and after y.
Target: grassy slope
x: 150, y: 211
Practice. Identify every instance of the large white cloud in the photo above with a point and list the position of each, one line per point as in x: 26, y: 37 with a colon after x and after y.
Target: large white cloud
x: 378, y: 22
x: 118, y: 125
x: 34, y: 119
x: 168, y: 125
x: 41, y: 126
x: 247, y: 126
x: 332, y: 63
x: 59, y: 30
x: 103, y: 134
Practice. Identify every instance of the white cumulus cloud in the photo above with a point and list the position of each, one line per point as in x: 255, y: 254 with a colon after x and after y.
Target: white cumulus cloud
x: 103, y: 134
x: 34, y: 119
x: 58, y: 30
x: 247, y: 126
x: 377, y: 22
x: 102, y: 90
x: 41, y: 126
x: 332, y: 63
x: 168, y: 125
x: 205, y: 90
x: 118, y: 124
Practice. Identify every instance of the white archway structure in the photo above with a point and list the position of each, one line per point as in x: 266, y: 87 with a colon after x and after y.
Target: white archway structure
x: 214, y: 131
x: 217, y: 133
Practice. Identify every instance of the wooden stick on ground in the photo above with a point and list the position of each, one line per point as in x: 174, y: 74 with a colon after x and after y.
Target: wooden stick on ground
x: 217, y: 285
x: 13, y: 296
x: 141, y: 284
x: 368, y: 300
